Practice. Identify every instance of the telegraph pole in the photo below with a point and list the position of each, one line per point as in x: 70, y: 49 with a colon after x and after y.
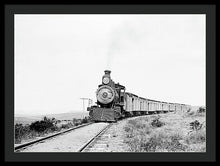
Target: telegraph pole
x: 89, y: 102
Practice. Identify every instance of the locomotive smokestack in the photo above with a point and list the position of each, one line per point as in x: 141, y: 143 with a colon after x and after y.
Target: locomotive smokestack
x: 107, y: 72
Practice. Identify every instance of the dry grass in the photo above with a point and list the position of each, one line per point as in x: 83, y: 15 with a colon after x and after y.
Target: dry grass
x: 169, y: 132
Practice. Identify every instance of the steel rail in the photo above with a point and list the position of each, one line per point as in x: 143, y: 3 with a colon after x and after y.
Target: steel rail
x: 47, y: 137
x: 94, y: 138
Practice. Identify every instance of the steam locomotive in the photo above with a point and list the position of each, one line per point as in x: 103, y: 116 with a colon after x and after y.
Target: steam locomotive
x: 113, y: 103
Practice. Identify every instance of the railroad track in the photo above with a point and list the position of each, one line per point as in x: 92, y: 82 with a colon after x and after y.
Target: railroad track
x: 25, y: 145
x: 88, y: 145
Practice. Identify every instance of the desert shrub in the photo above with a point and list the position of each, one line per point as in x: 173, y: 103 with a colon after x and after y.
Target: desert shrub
x: 157, y: 123
x: 38, y: 128
x: 191, y: 113
x: 20, y: 131
x: 196, y: 138
x: 195, y: 125
x: 85, y: 120
x: 66, y: 126
x: 41, y: 126
x: 201, y: 110
x: 127, y: 128
x: 24, y: 132
x: 76, y: 122
x: 54, y: 128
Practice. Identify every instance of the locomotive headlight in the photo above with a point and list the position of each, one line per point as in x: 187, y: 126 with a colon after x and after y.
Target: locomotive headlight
x: 105, y: 80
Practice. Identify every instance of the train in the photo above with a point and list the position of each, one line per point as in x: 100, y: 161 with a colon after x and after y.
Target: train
x: 114, y: 103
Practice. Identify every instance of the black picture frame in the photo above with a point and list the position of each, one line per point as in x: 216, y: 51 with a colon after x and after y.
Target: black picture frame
x: 208, y: 10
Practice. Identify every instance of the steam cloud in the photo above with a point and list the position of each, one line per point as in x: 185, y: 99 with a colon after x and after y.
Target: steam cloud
x: 121, y: 37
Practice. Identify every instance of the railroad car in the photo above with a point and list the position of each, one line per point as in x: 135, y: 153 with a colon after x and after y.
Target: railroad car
x: 114, y: 103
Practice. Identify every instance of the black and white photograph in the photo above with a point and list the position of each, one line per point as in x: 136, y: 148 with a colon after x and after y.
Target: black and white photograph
x: 109, y: 83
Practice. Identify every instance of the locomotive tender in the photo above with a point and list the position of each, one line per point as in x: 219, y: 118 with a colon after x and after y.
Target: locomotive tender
x: 114, y: 103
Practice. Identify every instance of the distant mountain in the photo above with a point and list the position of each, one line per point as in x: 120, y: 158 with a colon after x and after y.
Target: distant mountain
x: 68, y: 115
x: 62, y: 116
x: 26, y: 120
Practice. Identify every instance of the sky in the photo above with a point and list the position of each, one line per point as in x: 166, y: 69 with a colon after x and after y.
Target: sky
x: 59, y: 59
